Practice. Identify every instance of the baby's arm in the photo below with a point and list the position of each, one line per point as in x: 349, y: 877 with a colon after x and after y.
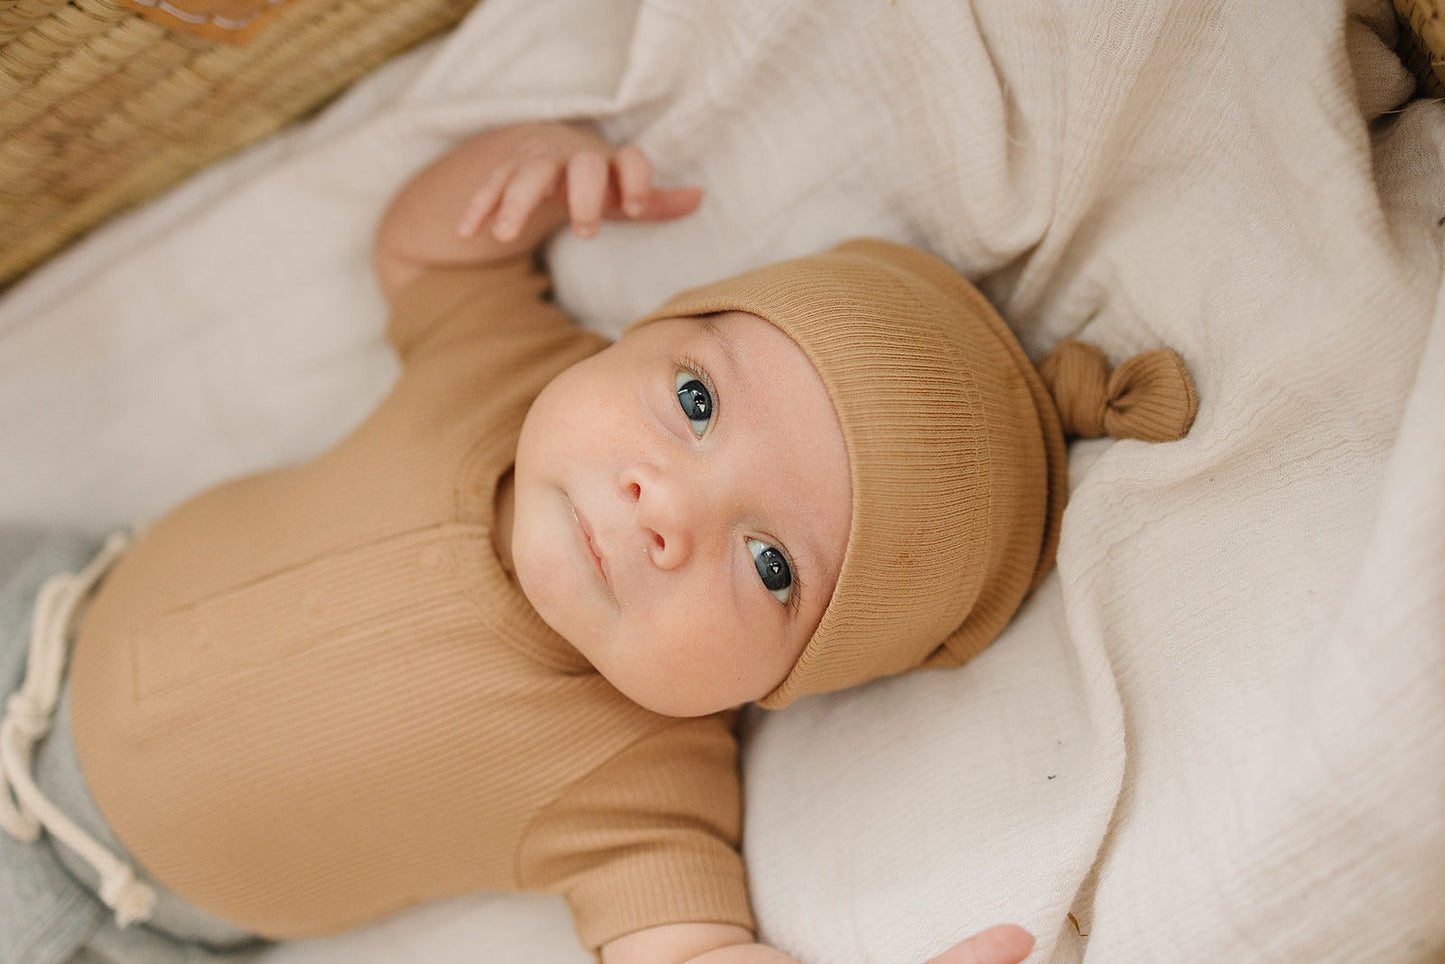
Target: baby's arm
x: 728, y: 944
x: 520, y: 183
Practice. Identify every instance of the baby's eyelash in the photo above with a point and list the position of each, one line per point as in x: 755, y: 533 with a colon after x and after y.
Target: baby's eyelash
x: 697, y: 368
x: 795, y: 596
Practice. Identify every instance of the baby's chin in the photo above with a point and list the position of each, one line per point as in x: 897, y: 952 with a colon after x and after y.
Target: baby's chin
x: 671, y: 697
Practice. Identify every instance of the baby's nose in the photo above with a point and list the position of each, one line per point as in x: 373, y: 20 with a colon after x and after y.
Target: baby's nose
x: 668, y: 511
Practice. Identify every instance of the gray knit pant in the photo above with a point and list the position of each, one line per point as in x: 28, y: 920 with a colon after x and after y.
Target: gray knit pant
x: 48, y: 914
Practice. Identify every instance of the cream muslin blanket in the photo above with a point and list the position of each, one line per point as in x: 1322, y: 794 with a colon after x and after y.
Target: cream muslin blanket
x: 1217, y: 732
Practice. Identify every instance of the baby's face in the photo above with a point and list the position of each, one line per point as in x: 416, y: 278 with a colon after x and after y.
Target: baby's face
x: 682, y: 503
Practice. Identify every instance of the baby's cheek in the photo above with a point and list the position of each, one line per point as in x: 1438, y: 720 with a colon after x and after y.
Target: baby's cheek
x: 676, y: 643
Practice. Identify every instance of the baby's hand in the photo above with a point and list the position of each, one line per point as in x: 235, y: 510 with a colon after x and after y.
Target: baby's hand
x: 600, y: 181
x: 1003, y: 944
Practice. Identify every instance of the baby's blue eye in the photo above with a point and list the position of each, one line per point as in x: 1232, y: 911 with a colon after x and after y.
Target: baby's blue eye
x: 773, y: 568
x: 695, y: 400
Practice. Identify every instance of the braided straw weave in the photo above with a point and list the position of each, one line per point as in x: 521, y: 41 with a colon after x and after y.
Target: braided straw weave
x: 101, y: 108
x: 1424, y: 47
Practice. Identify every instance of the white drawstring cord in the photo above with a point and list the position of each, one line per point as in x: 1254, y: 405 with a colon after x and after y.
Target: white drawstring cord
x: 28, y: 715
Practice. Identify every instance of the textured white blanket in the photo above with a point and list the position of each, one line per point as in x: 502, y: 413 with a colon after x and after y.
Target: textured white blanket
x: 1217, y: 733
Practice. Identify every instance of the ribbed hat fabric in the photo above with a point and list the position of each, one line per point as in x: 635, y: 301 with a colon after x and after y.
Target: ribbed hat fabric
x: 956, y: 449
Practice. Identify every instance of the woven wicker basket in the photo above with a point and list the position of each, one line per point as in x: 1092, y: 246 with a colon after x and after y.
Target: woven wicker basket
x: 1423, y: 47
x: 101, y: 108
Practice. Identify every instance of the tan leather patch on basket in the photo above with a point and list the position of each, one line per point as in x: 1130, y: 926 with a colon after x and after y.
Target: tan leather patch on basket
x: 232, y: 21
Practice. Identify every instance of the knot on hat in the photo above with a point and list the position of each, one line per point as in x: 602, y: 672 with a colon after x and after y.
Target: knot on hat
x: 1149, y: 396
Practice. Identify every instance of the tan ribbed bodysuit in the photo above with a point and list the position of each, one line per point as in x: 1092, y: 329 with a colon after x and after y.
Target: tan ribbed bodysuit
x: 312, y: 697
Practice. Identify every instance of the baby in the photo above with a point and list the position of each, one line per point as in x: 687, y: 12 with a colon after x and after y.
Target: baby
x: 496, y: 638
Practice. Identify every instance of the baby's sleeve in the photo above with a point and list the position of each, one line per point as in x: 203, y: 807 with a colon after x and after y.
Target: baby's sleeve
x: 445, y: 305
x: 650, y: 838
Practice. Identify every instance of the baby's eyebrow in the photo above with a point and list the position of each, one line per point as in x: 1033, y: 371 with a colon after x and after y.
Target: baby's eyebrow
x: 724, y: 346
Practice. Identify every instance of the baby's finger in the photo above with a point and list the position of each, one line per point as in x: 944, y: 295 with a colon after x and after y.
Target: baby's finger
x: 666, y: 204
x: 586, y: 191
x: 534, y: 180
x: 634, y: 179
x: 480, y: 205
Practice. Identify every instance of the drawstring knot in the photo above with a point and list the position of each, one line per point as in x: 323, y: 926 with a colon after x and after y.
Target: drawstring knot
x: 28, y: 715
x: 130, y: 899
x: 24, y: 810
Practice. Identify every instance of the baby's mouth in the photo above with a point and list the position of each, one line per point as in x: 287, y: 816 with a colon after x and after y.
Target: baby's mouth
x: 599, y: 561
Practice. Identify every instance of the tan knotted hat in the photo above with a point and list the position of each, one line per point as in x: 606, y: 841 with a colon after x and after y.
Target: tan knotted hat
x: 955, y: 444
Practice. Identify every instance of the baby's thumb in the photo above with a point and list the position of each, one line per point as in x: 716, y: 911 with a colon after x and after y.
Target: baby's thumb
x: 1003, y: 944
x: 666, y: 204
